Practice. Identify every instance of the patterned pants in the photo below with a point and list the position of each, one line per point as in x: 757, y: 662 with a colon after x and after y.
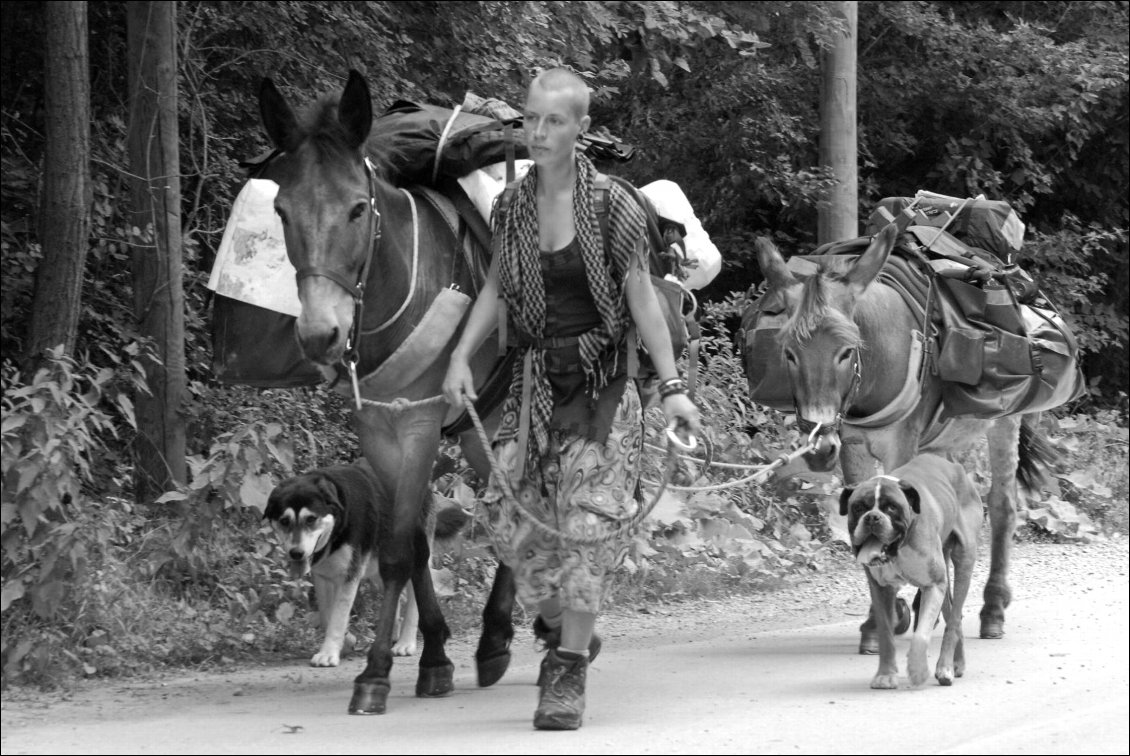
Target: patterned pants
x: 580, y: 488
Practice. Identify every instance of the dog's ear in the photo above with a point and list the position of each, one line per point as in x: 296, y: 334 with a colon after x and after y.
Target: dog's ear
x: 845, y: 495
x: 911, y: 494
x: 273, y: 503
x: 327, y: 486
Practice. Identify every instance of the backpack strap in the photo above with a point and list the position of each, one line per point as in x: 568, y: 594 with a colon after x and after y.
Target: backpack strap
x: 500, y: 209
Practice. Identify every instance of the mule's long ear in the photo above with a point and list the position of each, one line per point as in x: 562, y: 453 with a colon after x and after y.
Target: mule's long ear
x: 773, y: 266
x: 356, y: 109
x: 872, y: 261
x: 912, y: 498
x: 845, y: 497
x: 278, y: 118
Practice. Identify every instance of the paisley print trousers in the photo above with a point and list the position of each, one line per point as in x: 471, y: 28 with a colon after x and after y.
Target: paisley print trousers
x: 580, y: 488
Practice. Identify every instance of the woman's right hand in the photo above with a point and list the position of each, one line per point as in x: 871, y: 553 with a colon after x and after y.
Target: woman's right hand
x: 459, y: 382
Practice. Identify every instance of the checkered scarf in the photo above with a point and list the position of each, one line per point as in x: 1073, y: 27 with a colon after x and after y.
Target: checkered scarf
x: 523, y: 288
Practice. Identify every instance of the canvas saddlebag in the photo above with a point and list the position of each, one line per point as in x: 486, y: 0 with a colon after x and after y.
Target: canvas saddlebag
x: 998, y: 357
x: 765, y: 369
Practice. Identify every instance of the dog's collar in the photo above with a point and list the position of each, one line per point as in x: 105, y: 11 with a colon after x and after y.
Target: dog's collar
x: 322, y: 546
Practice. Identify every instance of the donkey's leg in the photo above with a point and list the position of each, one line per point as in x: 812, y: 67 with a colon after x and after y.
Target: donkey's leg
x: 371, y: 687
x: 1004, y: 438
x: 492, y: 657
x: 400, y: 447
x: 436, y: 677
x: 418, y: 436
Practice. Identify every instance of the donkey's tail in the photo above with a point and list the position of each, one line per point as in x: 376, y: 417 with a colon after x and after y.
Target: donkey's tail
x: 1037, y: 455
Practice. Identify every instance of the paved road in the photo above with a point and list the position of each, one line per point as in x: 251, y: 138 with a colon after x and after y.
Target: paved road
x: 742, y: 676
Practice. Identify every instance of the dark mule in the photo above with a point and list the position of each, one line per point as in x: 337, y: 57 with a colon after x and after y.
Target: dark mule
x: 848, y: 344
x: 345, y: 225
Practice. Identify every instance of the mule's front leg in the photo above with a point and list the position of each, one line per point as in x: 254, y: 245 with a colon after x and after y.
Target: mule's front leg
x: 437, y: 673
x: 492, y: 658
x: 371, y: 687
x: 1003, y: 435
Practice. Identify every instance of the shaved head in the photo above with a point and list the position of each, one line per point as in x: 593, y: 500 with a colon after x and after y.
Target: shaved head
x: 564, y: 80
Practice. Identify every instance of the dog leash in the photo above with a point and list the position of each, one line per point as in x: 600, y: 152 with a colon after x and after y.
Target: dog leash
x: 761, y: 471
x: 628, y: 525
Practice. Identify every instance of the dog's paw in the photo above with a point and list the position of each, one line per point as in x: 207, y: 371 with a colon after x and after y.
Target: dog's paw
x: 944, y: 675
x: 885, y: 682
x: 325, y: 658
x: 404, y: 648
x: 917, y: 665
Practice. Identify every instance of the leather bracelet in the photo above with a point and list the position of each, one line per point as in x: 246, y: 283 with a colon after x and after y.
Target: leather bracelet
x: 670, y: 387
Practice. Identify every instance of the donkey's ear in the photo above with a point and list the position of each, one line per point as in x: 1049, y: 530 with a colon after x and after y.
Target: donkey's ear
x: 773, y: 266
x: 278, y: 118
x: 356, y: 109
x: 872, y: 261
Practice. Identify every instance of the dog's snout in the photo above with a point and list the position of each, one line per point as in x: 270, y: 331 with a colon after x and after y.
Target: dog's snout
x: 297, y: 554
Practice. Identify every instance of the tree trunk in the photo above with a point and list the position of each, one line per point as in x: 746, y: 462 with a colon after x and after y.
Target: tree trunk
x: 839, y: 215
x: 157, y: 264
x: 64, y: 224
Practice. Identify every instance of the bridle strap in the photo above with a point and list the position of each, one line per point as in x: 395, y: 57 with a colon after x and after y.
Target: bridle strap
x: 806, y: 426
x: 356, y: 288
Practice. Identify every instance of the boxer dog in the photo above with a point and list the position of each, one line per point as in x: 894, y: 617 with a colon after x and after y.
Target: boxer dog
x: 909, y: 527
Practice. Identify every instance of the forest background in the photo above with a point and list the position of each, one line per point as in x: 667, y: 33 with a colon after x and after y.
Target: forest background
x: 1021, y: 101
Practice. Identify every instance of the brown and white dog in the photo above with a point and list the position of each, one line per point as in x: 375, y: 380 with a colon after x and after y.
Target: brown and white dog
x: 909, y: 527
x: 329, y: 523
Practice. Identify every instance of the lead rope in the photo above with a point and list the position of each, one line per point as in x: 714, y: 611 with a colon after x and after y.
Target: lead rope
x: 633, y: 522
x: 628, y: 525
x: 762, y: 471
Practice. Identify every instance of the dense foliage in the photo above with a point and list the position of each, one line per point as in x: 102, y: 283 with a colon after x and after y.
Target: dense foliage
x: 1026, y: 102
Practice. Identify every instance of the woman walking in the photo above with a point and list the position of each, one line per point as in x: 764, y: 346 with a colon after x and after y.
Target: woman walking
x: 571, y: 433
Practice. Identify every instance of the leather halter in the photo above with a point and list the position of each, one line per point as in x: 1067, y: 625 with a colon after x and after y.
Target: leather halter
x: 806, y: 426
x: 355, y: 289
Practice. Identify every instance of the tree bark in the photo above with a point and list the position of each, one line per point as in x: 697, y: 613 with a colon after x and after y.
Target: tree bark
x: 156, y: 238
x: 64, y: 223
x: 838, y: 216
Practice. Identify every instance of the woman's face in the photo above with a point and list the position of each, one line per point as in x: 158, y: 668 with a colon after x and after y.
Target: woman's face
x: 551, y: 125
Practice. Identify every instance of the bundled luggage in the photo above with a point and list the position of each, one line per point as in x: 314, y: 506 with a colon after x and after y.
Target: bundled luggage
x: 465, y: 152
x: 1002, y: 346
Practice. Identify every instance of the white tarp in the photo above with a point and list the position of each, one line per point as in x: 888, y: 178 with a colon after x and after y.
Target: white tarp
x: 672, y: 204
x: 251, y: 264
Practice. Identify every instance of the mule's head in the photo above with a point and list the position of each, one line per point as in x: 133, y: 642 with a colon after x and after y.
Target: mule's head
x: 324, y: 201
x: 820, y: 341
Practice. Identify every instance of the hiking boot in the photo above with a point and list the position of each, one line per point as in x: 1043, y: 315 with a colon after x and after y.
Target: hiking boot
x: 561, y: 700
x: 551, y: 637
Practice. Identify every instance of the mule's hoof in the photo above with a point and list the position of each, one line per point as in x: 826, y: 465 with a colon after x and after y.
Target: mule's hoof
x: 868, y: 643
x: 903, y: 616
x: 369, y: 698
x: 435, y: 682
x: 491, y: 670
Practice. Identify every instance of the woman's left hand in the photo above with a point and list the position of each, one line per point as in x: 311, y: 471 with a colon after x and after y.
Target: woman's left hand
x: 681, y: 412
